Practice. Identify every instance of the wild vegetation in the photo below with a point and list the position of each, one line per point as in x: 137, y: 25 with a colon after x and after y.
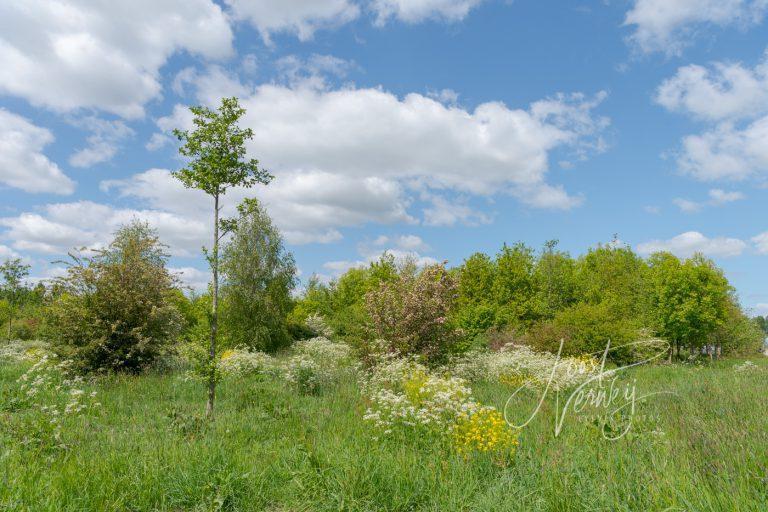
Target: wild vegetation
x: 526, y: 380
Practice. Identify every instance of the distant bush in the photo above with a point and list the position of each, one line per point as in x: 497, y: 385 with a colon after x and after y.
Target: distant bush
x: 411, y: 312
x: 113, y: 310
x: 586, y: 329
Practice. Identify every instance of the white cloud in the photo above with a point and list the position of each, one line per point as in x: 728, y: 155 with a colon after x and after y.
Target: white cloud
x: 444, y: 212
x: 652, y: 209
x: 7, y: 253
x: 717, y: 197
x: 761, y: 242
x: 61, y: 227
x: 760, y: 309
x: 487, y: 150
x: 192, y: 278
x: 103, y: 142
x: 727, y: 152
x: 402, y: 248
x: 670, y: 25
x: 688, y: 206
x: 723, y: 95
x: 691, y: 242
x: 726, y: 91
x: 300, y: 17
x: 308, y: 207
x: 22, y: 163
x: 415, y: 11
x: 73, y: 54
x: 720, y: 197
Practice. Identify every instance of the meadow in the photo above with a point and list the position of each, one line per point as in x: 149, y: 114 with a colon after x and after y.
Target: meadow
x: 147, y: 446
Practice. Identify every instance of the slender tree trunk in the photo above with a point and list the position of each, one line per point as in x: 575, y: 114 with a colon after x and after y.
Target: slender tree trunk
x: 214, y: 310
x: 10, y: 319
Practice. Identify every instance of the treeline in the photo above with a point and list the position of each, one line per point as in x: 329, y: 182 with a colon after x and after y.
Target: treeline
x: 120, y: 308
x: 539, y: 298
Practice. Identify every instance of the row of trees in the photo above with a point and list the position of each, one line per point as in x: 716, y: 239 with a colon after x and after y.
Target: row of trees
x: 540, y: 298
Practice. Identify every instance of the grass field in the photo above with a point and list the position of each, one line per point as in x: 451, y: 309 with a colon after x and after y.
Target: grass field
x: 147, y: 448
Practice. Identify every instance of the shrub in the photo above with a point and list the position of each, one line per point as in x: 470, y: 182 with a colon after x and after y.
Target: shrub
x: 243, y: 361
x: 316, y: 362
x: 517, y: 365
x: 113, y: 310
x: 587, y: 329
x: 411, y: 312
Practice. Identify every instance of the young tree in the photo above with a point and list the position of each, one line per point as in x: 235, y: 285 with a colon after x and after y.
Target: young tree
x: 259, y: 275
x: 13, y: 272
x: 217, y: 161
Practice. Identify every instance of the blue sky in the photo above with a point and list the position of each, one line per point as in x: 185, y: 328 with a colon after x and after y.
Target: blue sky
x: 434, y: 128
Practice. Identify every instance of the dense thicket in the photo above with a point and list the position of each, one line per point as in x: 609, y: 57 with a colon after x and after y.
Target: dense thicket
x: 542, y: 297
x: 114, y: 310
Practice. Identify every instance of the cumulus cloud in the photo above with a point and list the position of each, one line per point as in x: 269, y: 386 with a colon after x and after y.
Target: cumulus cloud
x: 308, y: 207
x: 366, y: 133
x: 300, y: 17
x: 7, y: 253
x: 103, y: 142
x: 727, y: 152
x: 734, y: 99
x: 669, y: 26
x: 415, y: 11
x: 192, y: 278
x: 61, y: 227
x: 402, y: 248
x: 73, y: 54
x: 22, y: 163
x: 445, y: 212
x: 726, y: 90
x: 691, y: 242
x: 761, y: 309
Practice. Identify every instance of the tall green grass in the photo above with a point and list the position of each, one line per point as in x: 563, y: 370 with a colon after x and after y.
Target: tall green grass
x: 703, y: 448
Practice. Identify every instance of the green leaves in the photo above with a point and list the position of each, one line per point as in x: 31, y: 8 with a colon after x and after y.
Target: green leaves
x: 216, y: 151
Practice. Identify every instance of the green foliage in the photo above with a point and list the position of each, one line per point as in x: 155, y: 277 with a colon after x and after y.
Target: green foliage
x: 342, y: 302
x: 13, y: 288
x: 614, y: 275
x: 690, y: 299
x: 586, y: 328
x: 738, y: 334
x: 259, y: 277
x: 762, y: 323
x: 216, y: 151
x: 115, y: 309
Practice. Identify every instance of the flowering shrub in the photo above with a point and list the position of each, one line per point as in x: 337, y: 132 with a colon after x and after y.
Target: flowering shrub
x: 53, y: 394
x: 483, y: 429
x: 242, y: 361
x: 316, y: 361
x: 519, y: 364
x: 411, y: 311
x: 316, y: 323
